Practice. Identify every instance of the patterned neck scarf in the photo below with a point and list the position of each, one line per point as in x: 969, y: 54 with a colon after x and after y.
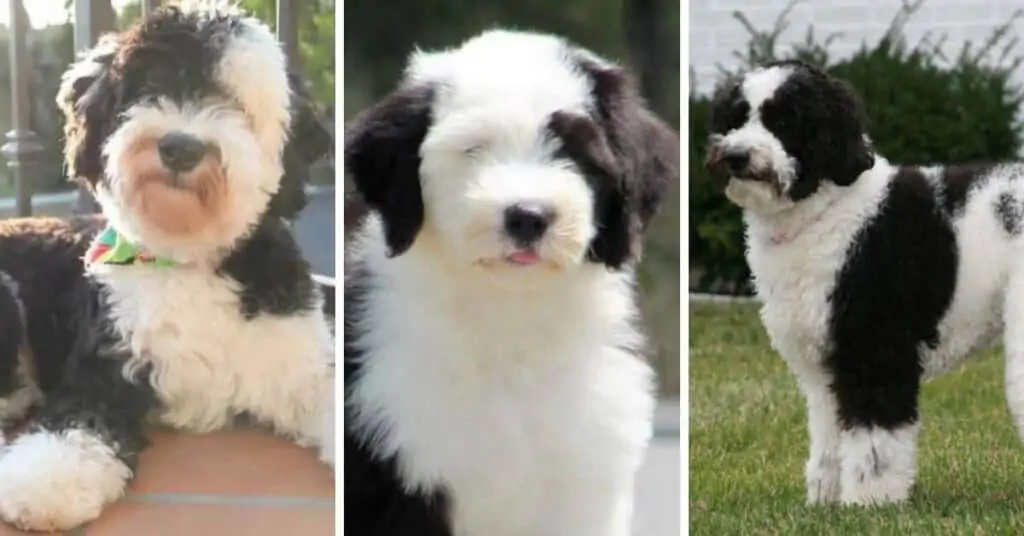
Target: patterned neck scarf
x: 111, y: 247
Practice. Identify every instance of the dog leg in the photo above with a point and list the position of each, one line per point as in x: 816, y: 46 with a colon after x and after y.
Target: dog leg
x: 1013, y: 348
x: 822, y: 470
x: 80, y: 452
x: 878, y: 465
x: 18, y: 389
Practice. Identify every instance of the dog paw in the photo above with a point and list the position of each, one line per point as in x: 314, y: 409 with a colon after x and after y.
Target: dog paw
x: 54, y: 481
x: 823, y: 479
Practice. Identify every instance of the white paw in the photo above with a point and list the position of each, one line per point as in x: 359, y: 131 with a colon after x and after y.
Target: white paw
x: 57, y: 481
x: 822, y: 481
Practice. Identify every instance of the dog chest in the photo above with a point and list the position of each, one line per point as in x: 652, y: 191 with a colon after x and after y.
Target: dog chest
x: 208, y: 361
x: 521, y: 420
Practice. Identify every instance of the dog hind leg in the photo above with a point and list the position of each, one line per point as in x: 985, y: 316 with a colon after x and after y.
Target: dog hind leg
x: 18, y: 389
x: 1013, y: 348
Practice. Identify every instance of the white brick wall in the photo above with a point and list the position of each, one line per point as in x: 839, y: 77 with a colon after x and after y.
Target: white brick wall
x: 715, y: 34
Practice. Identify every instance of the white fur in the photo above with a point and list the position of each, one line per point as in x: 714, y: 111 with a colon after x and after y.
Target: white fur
x: 794, y: 280
x: 516, y: 389
x: 485, y: 150
x: 520, y: 400
x: 57, y: 481
x: 766, y: 151
x: 878, y: 466
x: 250, y: 130
x: 210, y: 363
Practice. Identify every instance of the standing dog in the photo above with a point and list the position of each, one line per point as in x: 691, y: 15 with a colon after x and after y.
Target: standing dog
x: 194, y: 304
x: 874, y: 277
x: 492, y: 379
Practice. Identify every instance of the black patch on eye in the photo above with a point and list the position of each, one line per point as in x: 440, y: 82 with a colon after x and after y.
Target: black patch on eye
x: 729, y: 110
x: 585, y: 145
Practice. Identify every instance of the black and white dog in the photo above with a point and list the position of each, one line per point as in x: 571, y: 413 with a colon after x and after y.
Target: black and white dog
x: 874, y: 277
x: 493, y: 382
x: 194, y: 304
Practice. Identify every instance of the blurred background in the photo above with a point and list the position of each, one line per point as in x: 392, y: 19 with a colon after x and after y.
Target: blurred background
x: 940, y: 79
x: 641, y: 33
x: 54, y: 29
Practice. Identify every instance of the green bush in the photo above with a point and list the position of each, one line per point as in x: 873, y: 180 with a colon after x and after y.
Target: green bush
x: 921, y: 107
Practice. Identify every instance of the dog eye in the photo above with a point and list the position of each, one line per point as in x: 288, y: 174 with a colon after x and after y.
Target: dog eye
x: 474, y: 150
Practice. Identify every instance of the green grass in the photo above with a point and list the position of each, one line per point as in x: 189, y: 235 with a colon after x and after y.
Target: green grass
x: 748, y: 443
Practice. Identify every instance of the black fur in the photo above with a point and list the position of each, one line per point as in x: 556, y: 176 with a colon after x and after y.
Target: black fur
x: 646, y: 155
x: 959, y: 182
x: 275, y: 278
x: 1009, y: 212
x: 376, y: 501
x: 77, y: 356
x: 890, y: 296
x: 818, y: 118
x: 173, y: 55
x: 382, y: 153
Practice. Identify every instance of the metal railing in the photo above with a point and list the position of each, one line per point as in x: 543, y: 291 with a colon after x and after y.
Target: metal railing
x: 22, y: 146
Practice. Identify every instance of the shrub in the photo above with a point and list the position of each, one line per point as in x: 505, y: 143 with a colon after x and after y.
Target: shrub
x: 921, y: 108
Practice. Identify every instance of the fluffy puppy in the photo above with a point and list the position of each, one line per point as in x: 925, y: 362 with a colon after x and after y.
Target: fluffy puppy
x: 493, y: 382
x: 873, y: 277
x: 195, y: 304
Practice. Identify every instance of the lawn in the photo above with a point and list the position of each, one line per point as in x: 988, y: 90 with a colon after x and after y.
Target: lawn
x: 748, y: 443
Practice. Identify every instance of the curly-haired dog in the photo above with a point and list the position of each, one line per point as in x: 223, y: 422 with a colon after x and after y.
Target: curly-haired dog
x: 874, y: 277
x: 194, y: 304
x: 492, y: 379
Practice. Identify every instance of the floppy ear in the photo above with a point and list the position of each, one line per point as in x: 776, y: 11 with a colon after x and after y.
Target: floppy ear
x: 382, y: 153
x: 87, y: 99
x: 855, y: 156
x: 309, y: 140
x: 646, y: 152
x: 839, y: 153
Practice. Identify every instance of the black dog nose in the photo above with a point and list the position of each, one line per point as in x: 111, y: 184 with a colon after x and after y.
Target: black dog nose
x: 180, y: 152
x: 527, y: 222
x: 736, y: 160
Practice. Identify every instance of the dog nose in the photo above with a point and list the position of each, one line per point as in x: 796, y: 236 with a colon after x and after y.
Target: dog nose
x: 736, y: 160
x: 527, y: 222
x: 180, y: 152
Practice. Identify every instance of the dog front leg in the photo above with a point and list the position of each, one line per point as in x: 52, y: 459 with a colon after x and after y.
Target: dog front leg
x: 1013, y: 349
x: 822, y: 469
x: 80, y: 452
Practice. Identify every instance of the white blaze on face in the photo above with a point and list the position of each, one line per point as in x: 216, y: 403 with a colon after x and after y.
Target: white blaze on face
x: 489, y: 148
x: 766, y: 151
x: 247, y: 129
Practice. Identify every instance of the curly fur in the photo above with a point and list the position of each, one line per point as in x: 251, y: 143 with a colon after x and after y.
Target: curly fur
x: 874, y: 277
x: 487, y: 394
x: 235, y: 327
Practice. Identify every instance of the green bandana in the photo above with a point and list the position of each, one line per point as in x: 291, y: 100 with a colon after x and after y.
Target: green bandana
x: 110, y: 247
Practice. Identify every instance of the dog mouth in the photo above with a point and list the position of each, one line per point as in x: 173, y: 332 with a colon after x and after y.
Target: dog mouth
x: 723, y: 170
x: 523, y: 257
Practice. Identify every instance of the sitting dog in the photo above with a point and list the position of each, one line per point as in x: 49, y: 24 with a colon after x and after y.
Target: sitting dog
x: 874, y: 277
x: 493, y: 382
x: 194, y: 304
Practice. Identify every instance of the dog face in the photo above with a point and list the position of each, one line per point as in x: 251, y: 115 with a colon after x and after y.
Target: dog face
x: 779, y: 131
x: 514, y: 150
x: 188, y: 129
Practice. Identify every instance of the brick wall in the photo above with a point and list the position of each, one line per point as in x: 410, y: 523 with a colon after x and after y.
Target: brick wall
x: 715, y: 34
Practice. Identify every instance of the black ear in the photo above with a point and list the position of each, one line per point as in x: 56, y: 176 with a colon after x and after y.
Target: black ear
x: 309, y: 140
x: 855, y: 156
x: 382, y: 153
x: 646, y: 152
x: 840, y: 152
x: 87, y: 98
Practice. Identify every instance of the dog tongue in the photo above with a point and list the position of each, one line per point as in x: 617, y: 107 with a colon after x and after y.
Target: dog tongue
x: 524, y: 257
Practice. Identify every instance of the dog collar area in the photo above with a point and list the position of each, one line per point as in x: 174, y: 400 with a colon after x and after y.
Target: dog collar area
x: 111, y: 247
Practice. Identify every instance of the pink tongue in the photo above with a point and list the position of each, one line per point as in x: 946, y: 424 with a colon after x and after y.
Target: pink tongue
x: 524, y: 257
